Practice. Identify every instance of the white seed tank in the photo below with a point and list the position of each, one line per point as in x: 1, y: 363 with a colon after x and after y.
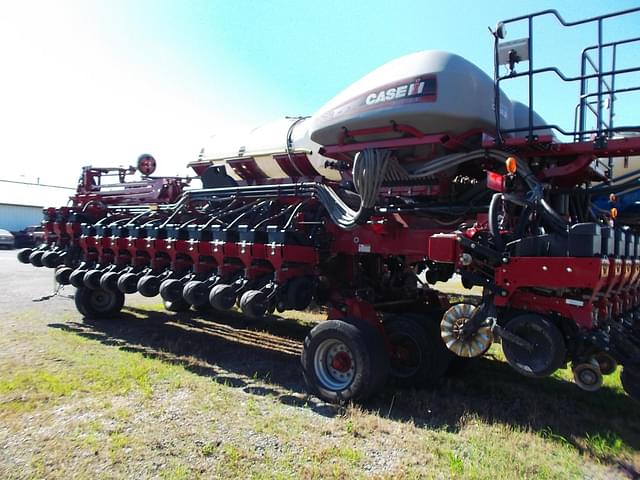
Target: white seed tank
x: 432, y: 91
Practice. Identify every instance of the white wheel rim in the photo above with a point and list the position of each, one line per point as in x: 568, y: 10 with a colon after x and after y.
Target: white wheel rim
x: 334, y: 365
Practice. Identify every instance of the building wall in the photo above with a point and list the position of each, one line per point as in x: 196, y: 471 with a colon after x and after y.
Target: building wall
x: 17, y: 217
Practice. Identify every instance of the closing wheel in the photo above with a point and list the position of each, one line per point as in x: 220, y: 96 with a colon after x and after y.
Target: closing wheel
x: 128, y: 283
x: 344, y: 361
x: 176, y: 306
x: 98, y: 303
x: 92, y: 278
x: 109, y: 281
x: 77, y: 277
x: 51, y: 259
x: 196, y: 293
x: 149, y: 286
x: 203, y: 308
x: 587, y: 376
x: 222, y: 297
x: 630, y: 379
x: 62, y: 275
x: 547, y: 353
x: 418, y: 355
x: 23, y: 255
x: 254, y: 303
x: 606, y: 363
x: 171, y: 290
x: 35, y: 258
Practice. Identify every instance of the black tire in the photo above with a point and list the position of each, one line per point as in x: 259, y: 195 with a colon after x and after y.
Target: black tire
x: 92, y: 278
x: 51, y: 259
x: 300, y: 293
x: 77, y: 276
x: 254, y: 304
x: 442, y: 356
x: 35, y: 258
x: 98, y: 303
x: 23, y: 255
x: 128, y: 282
x: 109, y: 281
x: 630, y: 379
x: 176, y: 306
x: 196, y: 293
x: 461, y: 366
x: 549, y: 350
x: 359, y: 365
x: 203, y: 308
x: 222, y: 297
x: 171, y: 290
x: 417, y: 358
x: 62, y: 275
x: 606, y: 363
x: 149, y: 286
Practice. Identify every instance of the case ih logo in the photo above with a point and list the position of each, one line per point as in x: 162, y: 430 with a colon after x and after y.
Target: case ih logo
x: 413, y: 90
x: 418, y: 88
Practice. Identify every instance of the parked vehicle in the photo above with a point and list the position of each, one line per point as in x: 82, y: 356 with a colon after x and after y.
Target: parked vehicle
x: 6, y: 239
x: 31, y: 236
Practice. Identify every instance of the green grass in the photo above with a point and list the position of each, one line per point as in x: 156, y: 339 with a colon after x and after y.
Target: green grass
x: 607, y: 445
x: 76, y: 369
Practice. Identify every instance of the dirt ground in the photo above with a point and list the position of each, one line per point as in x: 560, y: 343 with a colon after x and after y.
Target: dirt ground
x: 152, y: 394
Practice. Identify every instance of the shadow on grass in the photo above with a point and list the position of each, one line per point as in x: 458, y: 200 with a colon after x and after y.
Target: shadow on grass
x: 230, y: 350
x: 246, y: 354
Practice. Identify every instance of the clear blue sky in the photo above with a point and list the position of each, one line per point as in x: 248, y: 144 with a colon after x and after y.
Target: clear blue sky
x: 102, y: 81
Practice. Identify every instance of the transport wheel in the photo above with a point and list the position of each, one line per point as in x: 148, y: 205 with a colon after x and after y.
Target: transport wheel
x: 222, y: 297
x: 51, y: 259
x: 196, y: 293
x: 98, y: 303
x: 418, y: 356
x: 630, y: 379
x: 23, y: 255
x: 128, y: 283
x: 443, y: 357
x: 548, y: 353
x: 176, y: 306
x: 300, y: 293
x: 254, y: 304
x: 171, y: 290
x: 109, y: 281
x: 92, y: 278
x: 35, y: 258
x: 77, y: 276
x: 344, y: 361
x: 62, y: 275
x: 149, y: 286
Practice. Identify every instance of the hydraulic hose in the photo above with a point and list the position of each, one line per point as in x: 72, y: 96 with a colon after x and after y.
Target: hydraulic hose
x: 556, y: 222
x: 494, y: 222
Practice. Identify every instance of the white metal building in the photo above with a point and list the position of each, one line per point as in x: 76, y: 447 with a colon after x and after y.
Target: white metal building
x: 21, y: 203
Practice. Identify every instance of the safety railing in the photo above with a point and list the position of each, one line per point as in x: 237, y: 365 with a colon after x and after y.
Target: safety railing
x: 592, y: 67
